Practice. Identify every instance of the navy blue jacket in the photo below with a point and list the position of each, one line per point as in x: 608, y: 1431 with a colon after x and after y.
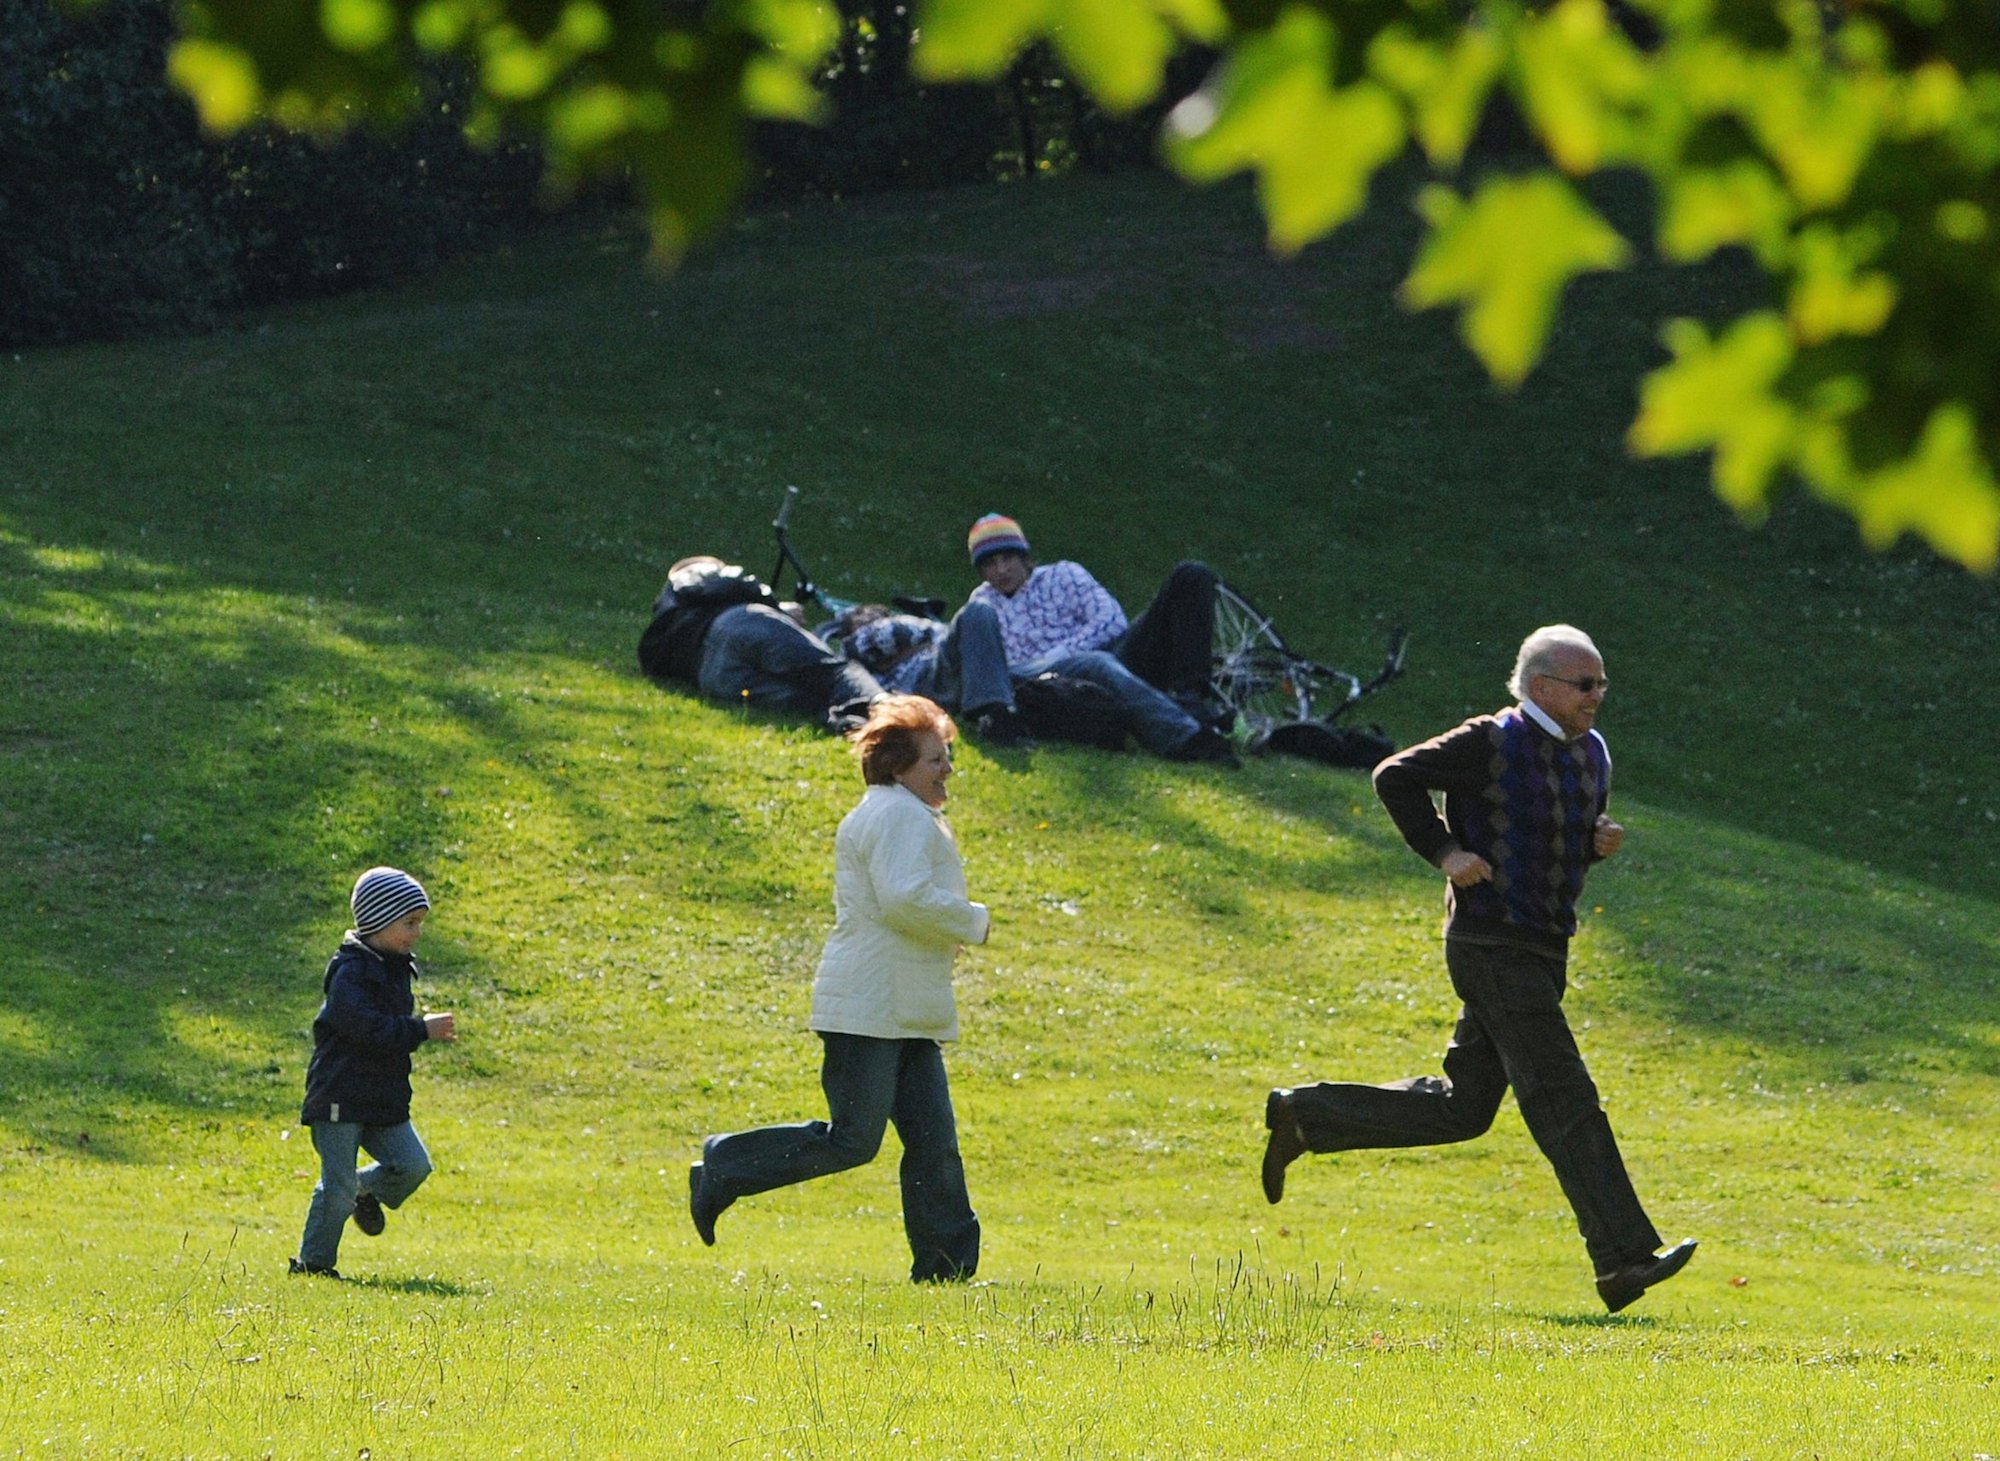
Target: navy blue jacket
x: 362, y: 1039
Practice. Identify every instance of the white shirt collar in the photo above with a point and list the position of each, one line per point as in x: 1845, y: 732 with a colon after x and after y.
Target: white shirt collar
x: 1546, y: 721
x: 896, y: 786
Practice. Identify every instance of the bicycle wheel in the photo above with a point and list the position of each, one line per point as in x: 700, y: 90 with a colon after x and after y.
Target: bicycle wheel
x: 1252, y: 670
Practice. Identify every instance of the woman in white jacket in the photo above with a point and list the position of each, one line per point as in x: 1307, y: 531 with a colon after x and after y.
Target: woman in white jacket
x: 881, y: 1002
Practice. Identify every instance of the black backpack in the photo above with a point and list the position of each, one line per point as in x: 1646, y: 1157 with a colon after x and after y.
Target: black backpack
x: 1065, y: 708
x: 670, y: 649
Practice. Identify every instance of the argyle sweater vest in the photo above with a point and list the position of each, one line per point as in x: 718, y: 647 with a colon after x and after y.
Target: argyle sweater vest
x: 1533, y: 820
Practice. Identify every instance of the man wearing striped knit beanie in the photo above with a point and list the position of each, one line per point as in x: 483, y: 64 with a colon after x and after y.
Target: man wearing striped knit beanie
x: 358, y: 1082
x: 1057, y: 618
x: 1526, y: 792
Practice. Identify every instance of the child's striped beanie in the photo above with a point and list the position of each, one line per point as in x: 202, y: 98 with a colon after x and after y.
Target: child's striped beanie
x: 384, y: 894
x: 995, y: 534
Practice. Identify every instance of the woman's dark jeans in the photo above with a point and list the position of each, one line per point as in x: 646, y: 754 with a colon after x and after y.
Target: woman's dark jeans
x: 869, y: 1084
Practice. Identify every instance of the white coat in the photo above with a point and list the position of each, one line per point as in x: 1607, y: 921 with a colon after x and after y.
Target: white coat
x: 900, y: 913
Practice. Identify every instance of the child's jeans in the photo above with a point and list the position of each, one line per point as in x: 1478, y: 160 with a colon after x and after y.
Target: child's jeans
x: 399, y: 1168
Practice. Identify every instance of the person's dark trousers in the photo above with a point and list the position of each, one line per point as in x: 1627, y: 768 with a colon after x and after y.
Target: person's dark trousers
x: 969, y: 670
x: 756, y: 655
x: 1171, y: 645
x: 870, y: 1083
x: 1511, y: 1031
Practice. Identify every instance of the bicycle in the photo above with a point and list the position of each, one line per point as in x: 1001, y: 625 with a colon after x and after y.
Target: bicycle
x: 1269, y: 684
x: 1255, y: 673
x: 806, y: 591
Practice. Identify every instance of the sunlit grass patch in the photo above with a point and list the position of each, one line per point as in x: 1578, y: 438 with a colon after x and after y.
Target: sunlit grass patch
x: 387, y: 613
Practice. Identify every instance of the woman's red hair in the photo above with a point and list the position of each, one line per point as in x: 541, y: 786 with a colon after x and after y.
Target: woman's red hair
x: 887, y: 742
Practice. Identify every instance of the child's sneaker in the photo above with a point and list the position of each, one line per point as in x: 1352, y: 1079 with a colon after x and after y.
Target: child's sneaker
x: 368, y: 1215
x: 317, y: 1270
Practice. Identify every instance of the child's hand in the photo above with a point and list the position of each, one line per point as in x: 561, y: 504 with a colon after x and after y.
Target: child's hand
x: 441, y: 1026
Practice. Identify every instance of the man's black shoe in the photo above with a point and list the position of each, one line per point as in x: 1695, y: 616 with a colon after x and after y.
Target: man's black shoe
x: 702, y: 1206
x: 1623, y: 1285
x: 1284, y: 1147
x: 317, y: 1270
x: 1217, y: 715
x: 368, y: 1215
x: 1209, y: 746
x: 1002, y: 725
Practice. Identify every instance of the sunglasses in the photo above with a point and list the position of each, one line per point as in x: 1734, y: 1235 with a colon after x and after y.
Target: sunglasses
x: 1585, y: 684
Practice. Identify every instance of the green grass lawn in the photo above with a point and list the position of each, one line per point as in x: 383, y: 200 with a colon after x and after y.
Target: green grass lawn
x: 361, y: 582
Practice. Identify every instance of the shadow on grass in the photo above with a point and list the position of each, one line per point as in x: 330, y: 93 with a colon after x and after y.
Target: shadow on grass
x: 1568, y: 1320
x: 193, y: 804
x: 442, y: 1288
x: 261, y: 637
x: 1828, y: 969
x: 182, y: 873
x: 194, y: 766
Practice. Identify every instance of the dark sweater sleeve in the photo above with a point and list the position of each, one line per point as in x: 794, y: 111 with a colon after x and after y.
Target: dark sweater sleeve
x: 353, y: 1011
x: 1457, y: 761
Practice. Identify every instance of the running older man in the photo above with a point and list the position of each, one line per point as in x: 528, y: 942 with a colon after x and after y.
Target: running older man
x: 1525, y: 796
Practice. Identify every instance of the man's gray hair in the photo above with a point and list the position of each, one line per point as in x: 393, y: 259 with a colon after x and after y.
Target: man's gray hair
x: 1539, y: 652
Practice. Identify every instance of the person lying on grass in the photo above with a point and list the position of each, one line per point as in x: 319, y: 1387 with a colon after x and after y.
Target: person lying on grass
x: 724, y: 632
x: 1057, y: 618
x: 961, y: 665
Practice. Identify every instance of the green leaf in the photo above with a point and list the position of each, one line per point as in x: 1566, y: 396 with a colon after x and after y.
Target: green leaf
x: 1506, y: 256
x: 1831, y: 294
x: 1578, y: 76
x: 1320, y: 181
x: 583, y: 27
x: 221, y: 79
x: 1944, y: 492
x: 1206, y: 21
x: 801, y: 30
x: 778, y: 89
x: 961, y: 40
x: 1445, y: 86
x: 1961, y: 220
x: 1254, y: 102
x: 1742, y: 202
x: 513, y: 67
x: 582, y: 121
x: 1819, y: 127
x: 357, y: 25
x: 1931, y: 98
x: 1272, y: 109
x: 442, y: 25
x: 1719, y: 394
x: 1117, y: 48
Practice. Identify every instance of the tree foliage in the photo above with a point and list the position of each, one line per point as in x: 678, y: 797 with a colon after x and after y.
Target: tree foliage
x: 1850, y: 147
x: 896, y: 129
x: 118, y: 215
x: 662, y: 89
